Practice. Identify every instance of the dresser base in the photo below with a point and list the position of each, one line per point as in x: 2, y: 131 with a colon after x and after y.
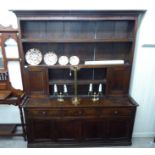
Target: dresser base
x: 82, y: 144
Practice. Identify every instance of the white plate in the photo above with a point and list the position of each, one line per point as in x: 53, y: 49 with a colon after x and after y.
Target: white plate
x: 63, y: 60
x: 50, y: 58
x: 33, y: 56
x: 74, y: 60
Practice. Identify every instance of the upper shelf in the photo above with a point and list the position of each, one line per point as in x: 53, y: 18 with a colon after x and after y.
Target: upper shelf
x: 79, y: 66
x: 52, y: 40
x: 77, y: 31
x: 79, y: 82
x: 76, y: 14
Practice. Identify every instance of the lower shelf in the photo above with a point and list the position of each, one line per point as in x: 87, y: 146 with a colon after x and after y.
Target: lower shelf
x: 10, y: 130
x: 82, y: 144
x: 6, y: 130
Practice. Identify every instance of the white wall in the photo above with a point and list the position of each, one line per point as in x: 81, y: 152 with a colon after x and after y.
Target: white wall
x: 141, y: 88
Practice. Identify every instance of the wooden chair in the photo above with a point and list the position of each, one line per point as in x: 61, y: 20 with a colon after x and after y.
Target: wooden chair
x: 8, y: 94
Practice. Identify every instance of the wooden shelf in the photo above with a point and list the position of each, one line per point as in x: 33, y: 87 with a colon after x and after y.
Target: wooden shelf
x: 79, y: 66
x: 80, y: 82
x: 72, y: 40
x: 86, y: 96
x: 7, y: 129
x: 13, y: 59
x: 10, y: 130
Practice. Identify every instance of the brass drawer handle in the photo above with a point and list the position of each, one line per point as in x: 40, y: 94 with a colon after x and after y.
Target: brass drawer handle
x: 80, y: 112
x: 115, y: 112
x: 44, y: 112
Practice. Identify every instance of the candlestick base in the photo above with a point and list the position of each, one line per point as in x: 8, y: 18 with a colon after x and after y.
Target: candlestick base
x: 60, y: 97
x: 95, y: 97
x: 76, y: 100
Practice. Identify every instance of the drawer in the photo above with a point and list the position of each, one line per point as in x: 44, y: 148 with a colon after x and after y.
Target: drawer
x: 80, y: 112
x: 116, y: 112
x: 72, y: 112
x: 90, y: 112
x: 43, y: 113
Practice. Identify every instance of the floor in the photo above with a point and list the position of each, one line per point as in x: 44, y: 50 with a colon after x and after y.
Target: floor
x: 18, y: 142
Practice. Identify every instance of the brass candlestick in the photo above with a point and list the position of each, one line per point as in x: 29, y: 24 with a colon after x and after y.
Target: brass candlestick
x: 75, y: 99
x: 60, y: 97
x: 95, y: 97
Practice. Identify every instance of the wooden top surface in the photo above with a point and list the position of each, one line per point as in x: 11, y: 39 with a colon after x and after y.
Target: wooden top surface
x: 84, y: 102
x: 77, y: 14
x: 4, y: 94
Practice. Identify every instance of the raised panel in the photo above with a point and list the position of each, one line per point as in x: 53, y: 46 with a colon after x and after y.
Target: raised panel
x: 40, y: 130
x: 118, y: 80
x: 119, y: 127
x: 95, y: 129
x: 37, y: 81
x: 68, y: 130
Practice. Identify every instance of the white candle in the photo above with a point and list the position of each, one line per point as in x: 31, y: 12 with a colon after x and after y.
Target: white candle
x: 90, y: 87
x: 65, y: 88
x: 55, y: 88
x: 100, y: 88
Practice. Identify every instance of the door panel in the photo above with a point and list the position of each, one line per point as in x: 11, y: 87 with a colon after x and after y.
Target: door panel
x: 68, y: 130
x: 40, y: 130
x: 118, y: 80
x: 37, y: 81
x: 94, y: 129
x: 119, y: 127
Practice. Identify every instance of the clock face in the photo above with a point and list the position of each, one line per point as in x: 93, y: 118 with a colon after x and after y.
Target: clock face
x: 50, y: 58
x: 33, y: 56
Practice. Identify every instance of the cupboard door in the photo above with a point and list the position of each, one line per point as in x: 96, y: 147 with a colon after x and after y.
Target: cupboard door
x: 119, y: 128
x: 94, y: 129
x: 68, y: 130
x: 40, y: 130
x: 118, y: 80
x: 37, y: 81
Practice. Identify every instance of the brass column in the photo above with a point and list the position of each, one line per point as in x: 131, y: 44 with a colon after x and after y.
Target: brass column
x: 75, y: 99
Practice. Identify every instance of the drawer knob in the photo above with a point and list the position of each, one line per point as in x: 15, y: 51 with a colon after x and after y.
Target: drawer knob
x: 115, y: 112
x: 44, y: 112
x: 80, y: 112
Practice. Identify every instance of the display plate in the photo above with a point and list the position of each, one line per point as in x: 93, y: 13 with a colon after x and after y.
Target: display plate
x: 33, y: 56
x: 63, y: 60
x: 74, y: 60
x: 50, y: 58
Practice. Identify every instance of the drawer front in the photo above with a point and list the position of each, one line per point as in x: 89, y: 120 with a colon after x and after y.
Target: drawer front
x: 43, y: 113
x: 91, y: 112
x: 116, y: 112
x: 85, y: 112
x: 72, y: 112
x: 80, y: 112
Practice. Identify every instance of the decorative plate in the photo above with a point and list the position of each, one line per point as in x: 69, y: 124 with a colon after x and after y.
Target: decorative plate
x: 74, y: 60
x: 50, y: 58
x: 63, y: 60
x: 33, y: 57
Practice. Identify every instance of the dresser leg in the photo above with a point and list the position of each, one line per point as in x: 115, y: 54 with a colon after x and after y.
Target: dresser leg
x: 22, y: 122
